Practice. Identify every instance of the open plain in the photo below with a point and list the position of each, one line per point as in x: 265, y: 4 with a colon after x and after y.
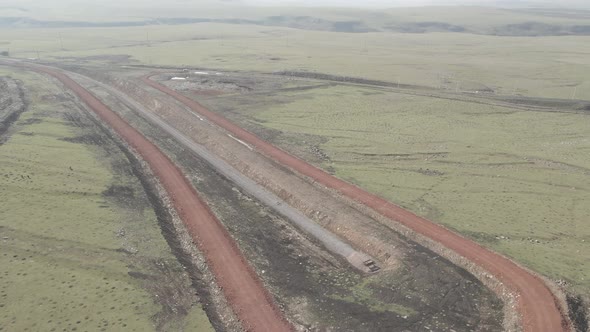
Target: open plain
x: 402, y: 170
x: 82, y: 247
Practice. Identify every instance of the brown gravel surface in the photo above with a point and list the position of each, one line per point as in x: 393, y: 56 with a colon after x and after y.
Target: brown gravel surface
x: 538, y: 306
x: 242, y: 288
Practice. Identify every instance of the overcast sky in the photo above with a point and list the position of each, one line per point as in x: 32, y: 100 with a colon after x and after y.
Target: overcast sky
x: 298, y: 3
x: 397, y: 3
x: 380, y: 3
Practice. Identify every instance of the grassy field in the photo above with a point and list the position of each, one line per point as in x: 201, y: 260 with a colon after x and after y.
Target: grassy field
x: 75, y: 255
x: 516, y: 181
x: 534, y: 66
x: 134, y: 10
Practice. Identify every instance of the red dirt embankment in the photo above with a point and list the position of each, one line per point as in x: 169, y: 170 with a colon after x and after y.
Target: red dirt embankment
x: 245, y: 293
x: 538, y: 307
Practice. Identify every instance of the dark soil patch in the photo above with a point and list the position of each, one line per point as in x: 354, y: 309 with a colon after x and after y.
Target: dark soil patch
x: 18, y: 104
x: 540, y: 29
x: 346, y: 79
x: 139, y: 275
x: 425, y: 27
x: 90, y: 139
x: 577, y: 312
x: 31, y: 121
x: 545, y: 104
x: 119, y: 192
x: 8, y: 121
x: 430, y: 172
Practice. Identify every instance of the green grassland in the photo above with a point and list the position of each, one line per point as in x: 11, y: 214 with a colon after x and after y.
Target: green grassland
x: 550, y: 66
x: 474, y: 59
x: 516, y: 181
x: 68, y: 250
x: 134, y: 10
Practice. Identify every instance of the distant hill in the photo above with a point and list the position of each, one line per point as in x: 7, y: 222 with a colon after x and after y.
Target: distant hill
x: 474, y: 20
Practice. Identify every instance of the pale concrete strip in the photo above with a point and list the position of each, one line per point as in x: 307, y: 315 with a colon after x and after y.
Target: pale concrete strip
x: 330, y: 241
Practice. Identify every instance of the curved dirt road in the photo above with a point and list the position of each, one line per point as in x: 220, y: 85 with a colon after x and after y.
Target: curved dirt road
x: 538, y: 307
x: 253, y: 305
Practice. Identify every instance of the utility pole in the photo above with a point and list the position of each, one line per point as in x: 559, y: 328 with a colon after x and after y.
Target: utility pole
x: 38, y: 55
x: 147, y: 38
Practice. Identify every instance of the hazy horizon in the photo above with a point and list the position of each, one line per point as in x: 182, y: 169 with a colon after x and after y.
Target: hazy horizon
x: 414, y: 3
x: 27, y: 4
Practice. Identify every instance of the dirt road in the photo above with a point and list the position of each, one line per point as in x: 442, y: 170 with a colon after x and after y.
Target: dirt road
x: 250, y: 300
x: 328, y: 239
x: 538, y: 307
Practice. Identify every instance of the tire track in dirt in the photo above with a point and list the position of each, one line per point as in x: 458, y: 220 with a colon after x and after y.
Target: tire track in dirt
x: 252, y: 303
x: 538, y: 307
